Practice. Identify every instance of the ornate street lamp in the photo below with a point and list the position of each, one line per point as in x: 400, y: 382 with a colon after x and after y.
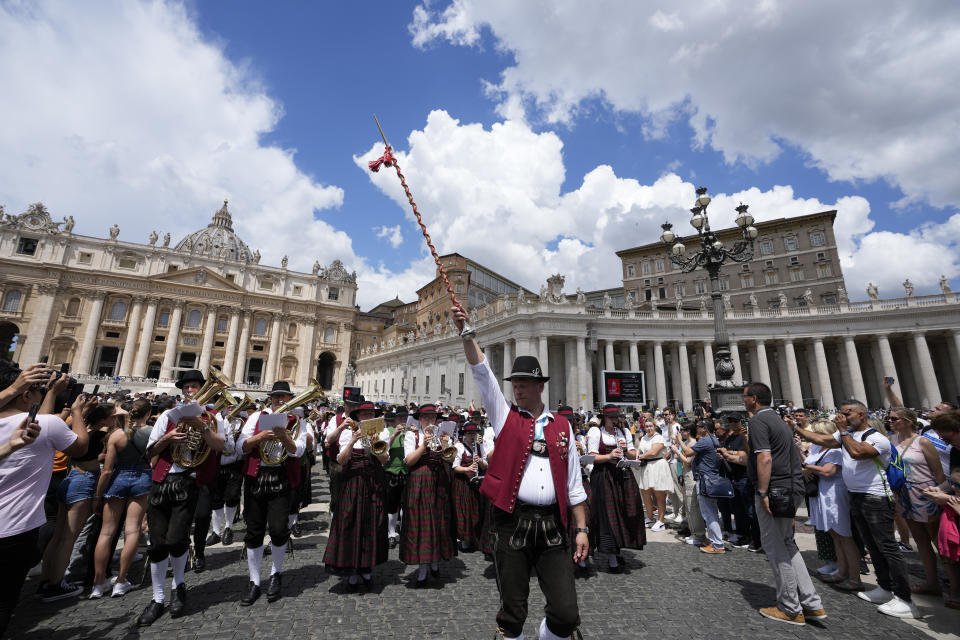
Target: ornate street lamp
x: 725, y: 394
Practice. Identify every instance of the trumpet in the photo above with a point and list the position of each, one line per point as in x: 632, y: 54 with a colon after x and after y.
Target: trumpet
x: 194, y: 450
x: 447, y: 454
x: 371, y: 429
x: 272, y: 450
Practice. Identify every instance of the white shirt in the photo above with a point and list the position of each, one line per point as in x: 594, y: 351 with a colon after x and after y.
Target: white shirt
x: 595, y: 434
x: 346, y: 434
x: 647, y: 442
x: 160, y: 428
x: 251, y: 427
x: 231, y: 452
x: 462, y: 449
x: 863, y: 476
x: 488, y: 444
x: 25, y: 473
x: 536, y: 485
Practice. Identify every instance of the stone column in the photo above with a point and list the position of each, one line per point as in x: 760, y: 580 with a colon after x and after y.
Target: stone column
x: 271, y: 366
x: 87, y: 347
x: 823, y: 374
x: 583, y: 380
x: 888, y: 365
x: 735, y: 356
x: 709, y: 369
x: 953, y: 342
x: 230, y: 353
x: 173, y: 337
x: 572, y: 372
x: 701, y: 374
x: 625, y: 356
x: 929, y: 388
x: 634, y: 356
x: 507, y: 368
x: 686, y: 395
x: 240, y: 372
x: 305, y: 367
x: 146, y: 338
x: 660, y: 377
x: 763, y: 369
x: 812, y: 372
x: 675, y: 388
x: 793, y: 374
x: 543, y: 350
x: 34, y: 347
x: 610, y: 363
x: 853, y: 364
x: 129, y: 345
x: 206, y: 348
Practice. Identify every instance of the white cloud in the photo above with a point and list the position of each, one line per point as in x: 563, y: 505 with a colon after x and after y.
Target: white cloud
x: 392, y: 234
x: 868, y: 89
x: 495, y: 196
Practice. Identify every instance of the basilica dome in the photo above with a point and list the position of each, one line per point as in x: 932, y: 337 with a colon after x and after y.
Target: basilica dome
x: 217, y: 240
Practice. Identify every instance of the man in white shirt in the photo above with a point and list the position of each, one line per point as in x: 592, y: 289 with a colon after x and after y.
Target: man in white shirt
x: 532, y: 481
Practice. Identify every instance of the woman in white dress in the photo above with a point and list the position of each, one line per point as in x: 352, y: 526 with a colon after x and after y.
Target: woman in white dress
x: 830, y: 509
x: 655, y: 479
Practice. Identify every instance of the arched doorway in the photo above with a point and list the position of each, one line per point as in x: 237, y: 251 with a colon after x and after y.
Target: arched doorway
x: 8, y: 339
x: 153, y: 369
x: 325, y: 366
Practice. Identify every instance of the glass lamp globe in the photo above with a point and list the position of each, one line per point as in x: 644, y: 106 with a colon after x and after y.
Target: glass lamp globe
x: 703, y: 201
x: 697, y: 221
x: 678, y: 249
x: 751, y: 232
x: 667, y: 236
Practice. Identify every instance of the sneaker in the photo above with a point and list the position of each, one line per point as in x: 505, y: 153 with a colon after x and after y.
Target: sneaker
x: 658, y: 527
x: 678, y: 518
x: 775, y: 613
x: 648, y: 523
x: 899, y: 608
x: 709, y: 548
x: 814, y: 614
x: 864, y: 569
x: 904, y: 548
x: 755, y: 548
x: 97, y: 591
x: 52, y: 593
x: 694, y: 541
x: 121, y: 589
x: 740, y: 543
x: 876, y: 596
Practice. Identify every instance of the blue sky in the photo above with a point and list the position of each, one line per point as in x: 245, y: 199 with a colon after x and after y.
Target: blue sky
x: 537, y: 138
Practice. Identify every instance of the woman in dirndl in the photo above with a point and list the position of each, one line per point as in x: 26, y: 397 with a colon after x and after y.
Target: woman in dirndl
x: 575, y: 420
x: 358, y: 533
x: 468, y: 466
x: 616, y: 511
x: 428, y: 531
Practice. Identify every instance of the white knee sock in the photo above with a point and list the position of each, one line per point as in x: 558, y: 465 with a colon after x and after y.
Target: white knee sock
x: 292, y: 519
x: 254, y: 558
x: 278, y: 553
x: 216, y: 518
x: 229, y: 514
x: 179, y: 567
x: 546, y: 634
x: 391, y: 525
x: 158, y: 574
x: 422, y: 573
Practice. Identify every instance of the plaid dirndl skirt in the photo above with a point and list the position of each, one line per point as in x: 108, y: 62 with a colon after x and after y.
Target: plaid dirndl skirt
x: 616, y: 510
x: 358, y: 533
x: 466, y: 502
x: 428, y: 533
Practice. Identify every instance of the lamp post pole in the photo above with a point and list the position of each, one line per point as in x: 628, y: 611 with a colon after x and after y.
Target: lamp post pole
x: 713, y: 254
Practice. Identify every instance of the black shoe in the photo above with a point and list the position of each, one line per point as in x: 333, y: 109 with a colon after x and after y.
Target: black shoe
x: 212, y: 539
x: 273, y: 591
x: 295, y: 530
x: 392, y: 542
x: 252, y: 596
x: 617, y: 569
x: 59, y: 591
x: 199, y: 564
x: 227, y: 537
x: 420, y: 584
x: 153, y: 611
x: 178, y: 601
x: 434, y: 573
x: 864, y: 569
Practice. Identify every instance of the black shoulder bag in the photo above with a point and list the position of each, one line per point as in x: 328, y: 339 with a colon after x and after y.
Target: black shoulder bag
x: 782, y: 504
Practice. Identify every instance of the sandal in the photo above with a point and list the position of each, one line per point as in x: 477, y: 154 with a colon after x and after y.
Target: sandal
x: 925, y: 590
x: 848, y: 585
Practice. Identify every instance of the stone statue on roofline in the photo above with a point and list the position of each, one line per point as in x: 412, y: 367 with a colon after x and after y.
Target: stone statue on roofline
x: 908, y: 287
x: 872, y: 292
x: 945, y: 285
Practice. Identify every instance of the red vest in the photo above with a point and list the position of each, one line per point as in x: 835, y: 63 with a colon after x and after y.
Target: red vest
x: 205, y: 472
x: 292, y: 464
x: 502, y: 480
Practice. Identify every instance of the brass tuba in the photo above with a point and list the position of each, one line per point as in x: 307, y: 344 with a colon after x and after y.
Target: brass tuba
x: 193, y: 451
x: 272, y: 450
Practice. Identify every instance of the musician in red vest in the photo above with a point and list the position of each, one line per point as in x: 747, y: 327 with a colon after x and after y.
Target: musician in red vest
x: 266, y: 491
x: 533, y: 483
x: 173, y: 499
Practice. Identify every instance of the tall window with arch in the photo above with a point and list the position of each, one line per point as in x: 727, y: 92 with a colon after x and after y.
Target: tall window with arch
x: 194, y: 318
x: 260, y: 327
x: 292, y: 331
x: 118, y: 311
x: 11, y: 301
x: 328, y: 335
x: 222, y: 324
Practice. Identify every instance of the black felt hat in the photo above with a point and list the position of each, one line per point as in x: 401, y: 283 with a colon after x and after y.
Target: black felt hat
x: 193, y: 375
x: 366, y: 405
x: 527, y: 368
x: 280, y: 387
x: 425, y: 408
x: 470, y: 427
x: 401, y: 412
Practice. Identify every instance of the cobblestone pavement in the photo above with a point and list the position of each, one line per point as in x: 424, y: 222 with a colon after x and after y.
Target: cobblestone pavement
x: 669, y: 590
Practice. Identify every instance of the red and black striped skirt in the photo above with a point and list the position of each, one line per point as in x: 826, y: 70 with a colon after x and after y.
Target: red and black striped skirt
x: 428, y: 533
x: 358, y: 533
x: 466, y: 502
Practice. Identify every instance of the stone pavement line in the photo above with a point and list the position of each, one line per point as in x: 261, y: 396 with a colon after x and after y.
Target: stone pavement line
x: 663, y: 595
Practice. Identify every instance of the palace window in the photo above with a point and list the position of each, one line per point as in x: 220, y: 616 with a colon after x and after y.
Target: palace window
x: 328, y: 336
x: 260, y: 327
x: 333, y: 293
x: 818, y: 239
x: 724, y: 284
x: 746, y: 280
x: 766, y: 247
x: 790, y: 243
x: 163, y: 318
x: 126, y: 263
x: 824, y: 271
x: 796, y: 274
x: 630, y: 271
x: 194, y: 318
x: 27, y: 246
x: 73, y: 308
x: 771, y: 277
x: 700, y: 286
x: 222, y: 324
x: 85, y: 257
x: 266, y: 284
x: 297, y: 290
x: 118, y: 311
x: 659, y: 266
x: 646, y: 268
x: 680, y: 288
x: 12, y: 300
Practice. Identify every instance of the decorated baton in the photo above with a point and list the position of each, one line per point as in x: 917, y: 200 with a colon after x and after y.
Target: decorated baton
x: 387, y: 160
